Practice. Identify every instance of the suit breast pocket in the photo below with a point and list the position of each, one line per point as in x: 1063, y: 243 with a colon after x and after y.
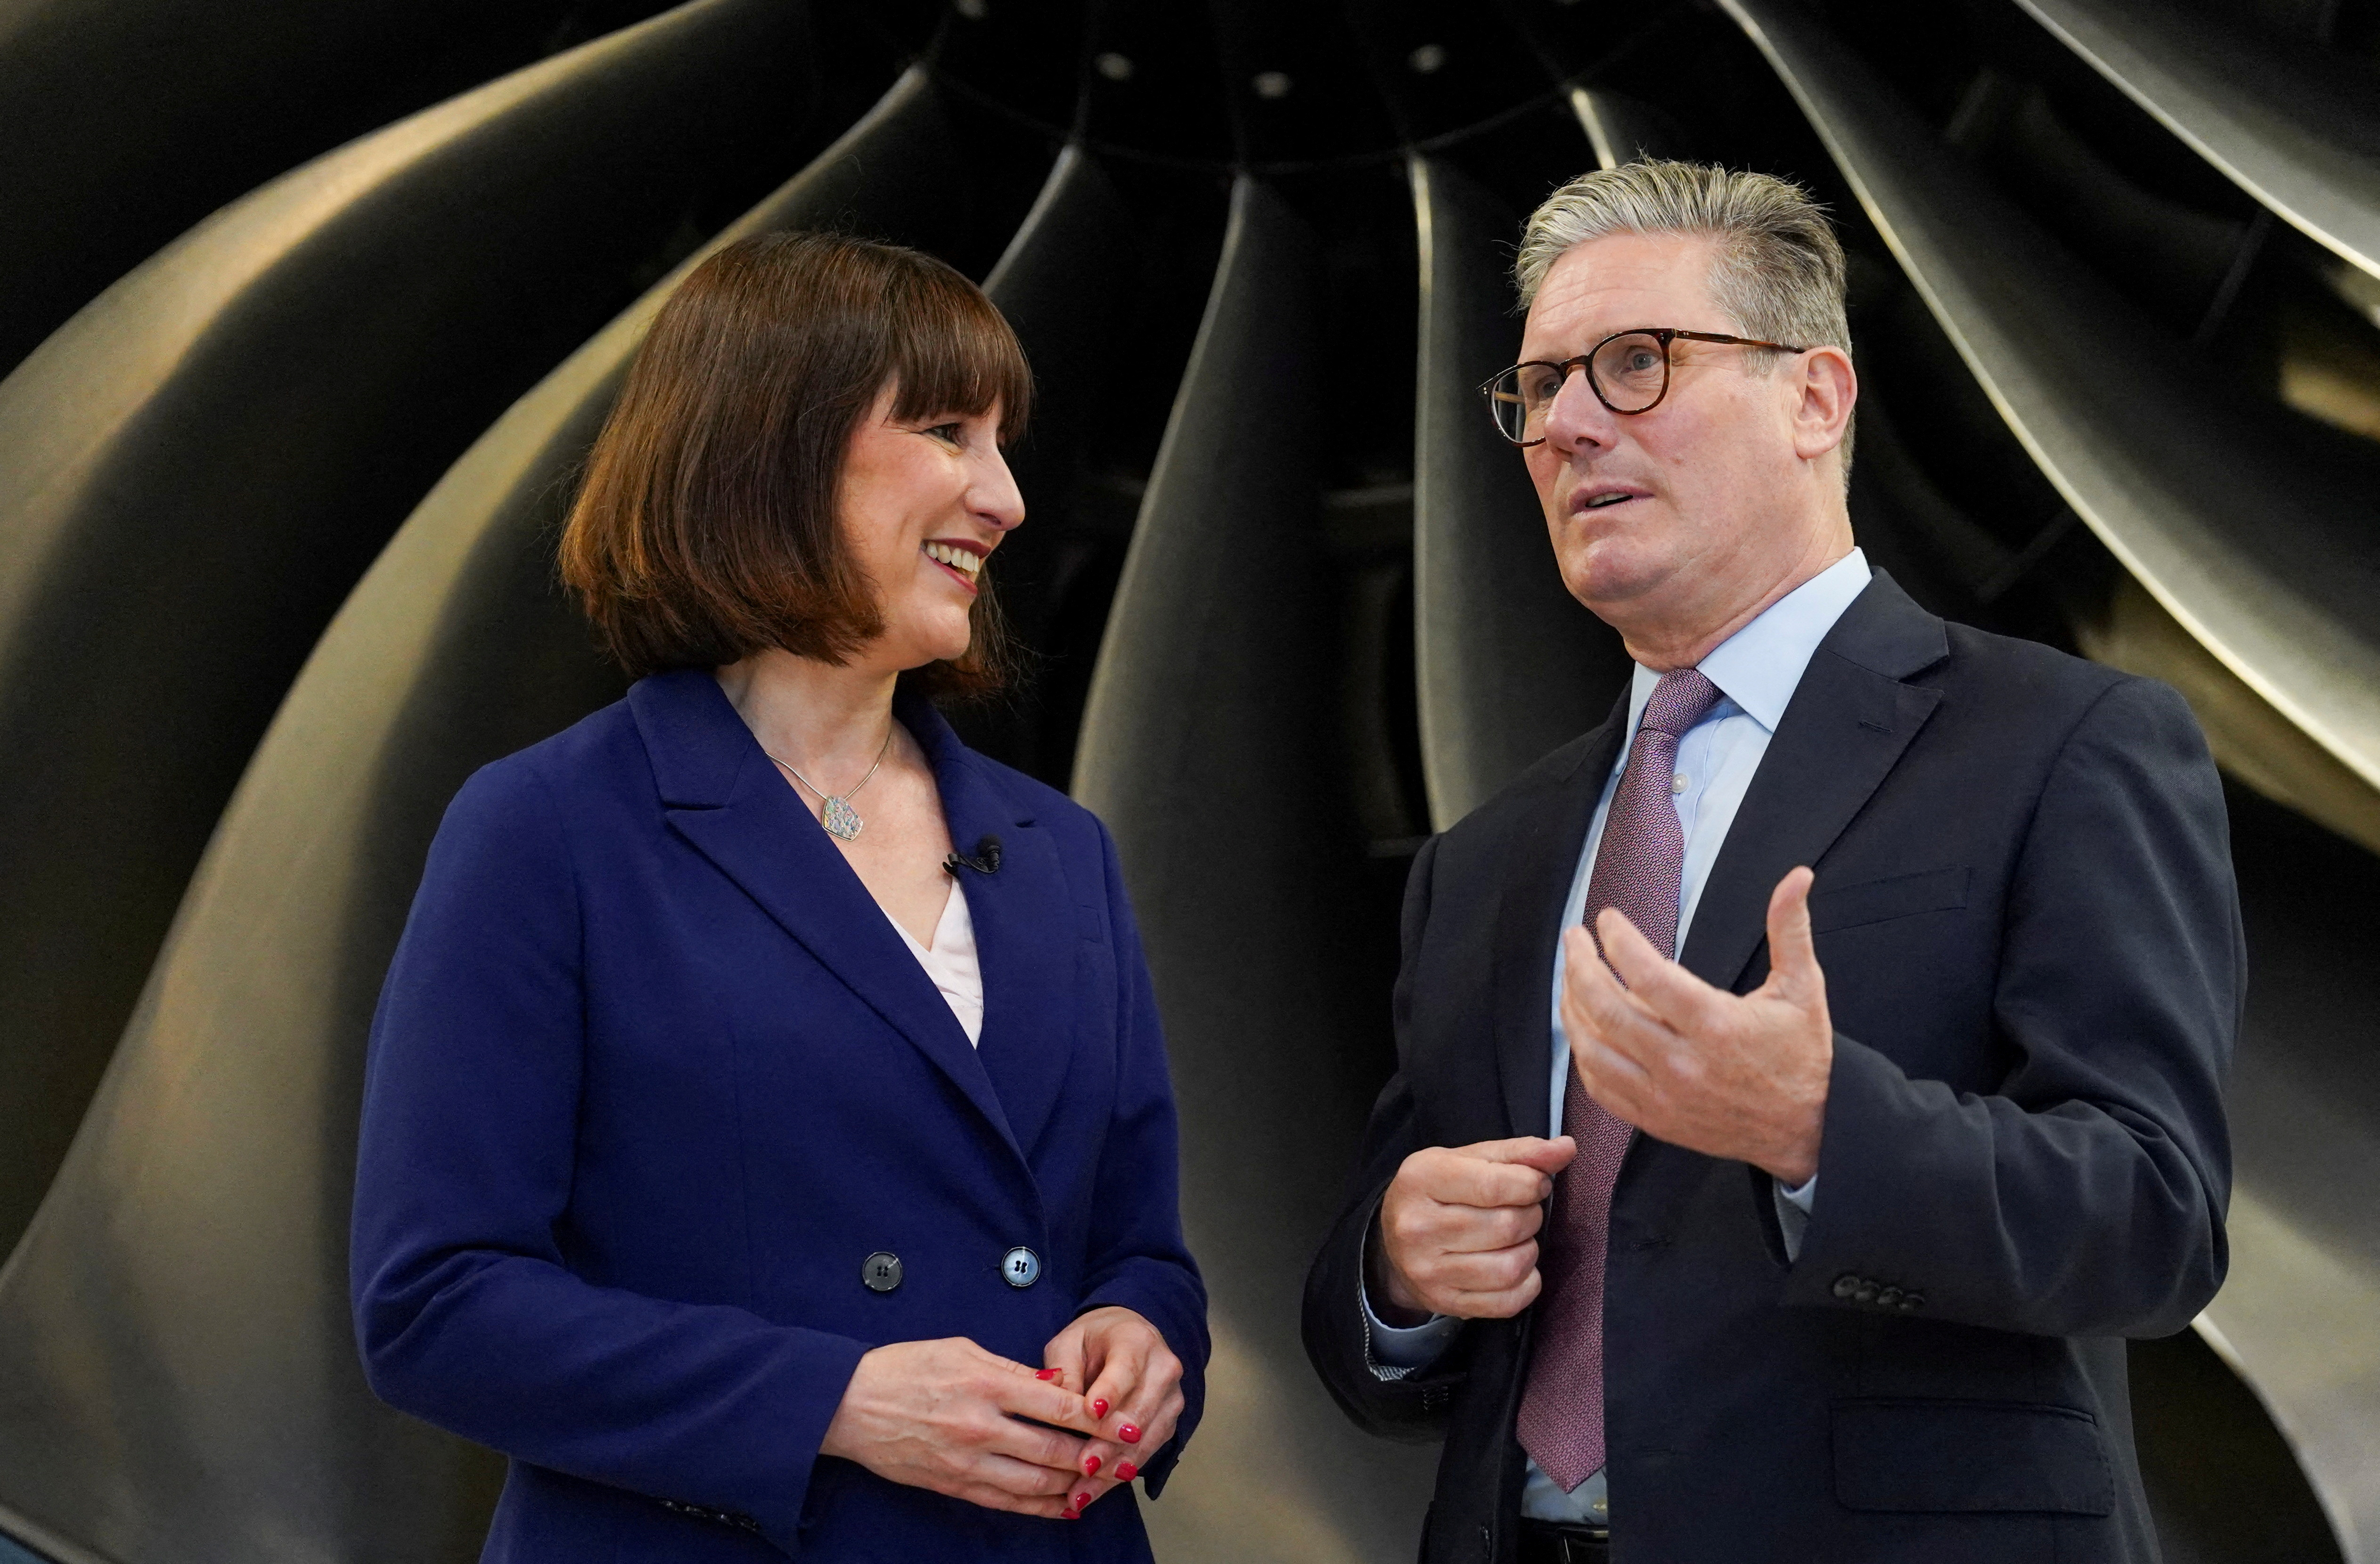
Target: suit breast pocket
x: 1939, y: 1457
x: 1877, y: 901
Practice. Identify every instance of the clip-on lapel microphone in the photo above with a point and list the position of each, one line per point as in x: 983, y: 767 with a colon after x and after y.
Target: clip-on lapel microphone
x: 986, y: 859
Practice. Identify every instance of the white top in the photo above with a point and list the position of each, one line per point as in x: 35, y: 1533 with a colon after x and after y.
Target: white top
x: 951, y: 962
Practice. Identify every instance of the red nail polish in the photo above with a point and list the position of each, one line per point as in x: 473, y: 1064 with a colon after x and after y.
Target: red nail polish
x: 1128, y: 1434
x: 1090, y: 1466
x: 1126, y: 1471
x: 1045, y: 1374
x: 1070, y: 1515
x: 1098, y: 1406
x: 1082, y: 1502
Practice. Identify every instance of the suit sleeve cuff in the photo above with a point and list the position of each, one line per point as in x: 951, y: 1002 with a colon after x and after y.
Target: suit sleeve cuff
x: 1793, y: 1206
x: 1392, y: 1351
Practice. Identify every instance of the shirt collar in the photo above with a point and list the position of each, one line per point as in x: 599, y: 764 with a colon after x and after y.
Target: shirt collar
x: 1760, y: 666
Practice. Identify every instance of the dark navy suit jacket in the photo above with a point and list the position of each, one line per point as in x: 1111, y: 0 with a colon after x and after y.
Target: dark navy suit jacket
x: 2025, y: 912
x: 652, y: 1076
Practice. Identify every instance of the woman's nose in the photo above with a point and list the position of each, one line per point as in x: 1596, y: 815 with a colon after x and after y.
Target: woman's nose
x: 995, y: 497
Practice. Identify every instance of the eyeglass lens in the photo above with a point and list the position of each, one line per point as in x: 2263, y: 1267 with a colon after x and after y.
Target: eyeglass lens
x: 1631, y: 372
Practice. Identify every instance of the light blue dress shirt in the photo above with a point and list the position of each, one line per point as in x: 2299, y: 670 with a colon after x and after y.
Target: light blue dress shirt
x: 1757, y: 670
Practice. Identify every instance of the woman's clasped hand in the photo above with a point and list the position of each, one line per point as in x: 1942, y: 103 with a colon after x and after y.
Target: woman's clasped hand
x: 949, y: 1416
x: 1132, y: 1383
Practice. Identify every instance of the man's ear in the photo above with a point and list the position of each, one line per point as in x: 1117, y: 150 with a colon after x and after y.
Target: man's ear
x: 1825, y: 387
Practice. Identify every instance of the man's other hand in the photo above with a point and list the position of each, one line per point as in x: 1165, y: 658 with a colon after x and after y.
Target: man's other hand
x: 1457, y: 1228
x: 1736, y: 1075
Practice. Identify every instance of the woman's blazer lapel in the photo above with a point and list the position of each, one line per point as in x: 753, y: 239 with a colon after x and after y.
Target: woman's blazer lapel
x: 724, y: 797
x: 1025, y: 926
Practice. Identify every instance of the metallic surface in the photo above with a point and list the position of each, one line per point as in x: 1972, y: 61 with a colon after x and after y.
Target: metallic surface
x: 1203, y: 749
x: 2300, y: 1318
x: 205, y: 459
x: 1619, y: 129
x: 127, y: 123
x: 2295, y: 126
x: 2251, y: 740
x: 1507, y: 664
x: 2118, y: 420
x: 1059, y: 283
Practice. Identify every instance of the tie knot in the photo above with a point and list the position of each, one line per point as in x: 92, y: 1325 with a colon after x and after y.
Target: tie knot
x: 1682, y: 698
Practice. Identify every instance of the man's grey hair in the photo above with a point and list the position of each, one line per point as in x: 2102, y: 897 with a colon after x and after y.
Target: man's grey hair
x: 1777, y: 273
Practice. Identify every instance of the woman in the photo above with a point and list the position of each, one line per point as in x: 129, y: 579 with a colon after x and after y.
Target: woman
x: 767, y: 1141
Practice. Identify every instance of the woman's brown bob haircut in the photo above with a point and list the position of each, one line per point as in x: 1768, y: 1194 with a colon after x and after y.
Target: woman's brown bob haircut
x: 706, y: 528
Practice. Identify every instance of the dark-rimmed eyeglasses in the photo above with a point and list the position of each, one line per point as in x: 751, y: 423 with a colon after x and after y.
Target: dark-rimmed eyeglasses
x: 1628, y: 372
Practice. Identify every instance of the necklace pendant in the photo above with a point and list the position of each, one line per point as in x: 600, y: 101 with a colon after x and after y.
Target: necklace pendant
x: 841, y: 819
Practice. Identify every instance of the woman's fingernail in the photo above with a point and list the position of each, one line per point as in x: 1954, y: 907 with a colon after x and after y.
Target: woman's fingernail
x: 1126, y: 1471
x: 1070, y: 1515
x: 1098, y: 1406
x: 1128, y: 1434
x: 1045, y: 1374
x: 1082, y: 1502
x: 1090, y: 1466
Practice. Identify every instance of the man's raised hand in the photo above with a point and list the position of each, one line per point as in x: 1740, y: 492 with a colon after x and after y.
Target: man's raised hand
x: 1736, y: 1075
x: 1457, y: 1228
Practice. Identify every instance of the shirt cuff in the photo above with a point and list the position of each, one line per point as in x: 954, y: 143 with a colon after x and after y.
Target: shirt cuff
x: 1793, y: 1206
x: 1392, y: 1351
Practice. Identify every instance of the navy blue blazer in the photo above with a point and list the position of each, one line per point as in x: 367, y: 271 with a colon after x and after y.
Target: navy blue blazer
x: 2032, y: 941
x: 652, y: 1076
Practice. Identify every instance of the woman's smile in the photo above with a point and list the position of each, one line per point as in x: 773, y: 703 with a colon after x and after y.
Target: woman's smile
x: 963, y: 560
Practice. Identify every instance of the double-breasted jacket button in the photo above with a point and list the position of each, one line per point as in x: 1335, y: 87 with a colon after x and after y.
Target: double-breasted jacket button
x: 1846, y: 1284
x: 1890, y: 1298
x: 880, y: 1271
x: 1020, y: 1266
x: 1866, y: 1291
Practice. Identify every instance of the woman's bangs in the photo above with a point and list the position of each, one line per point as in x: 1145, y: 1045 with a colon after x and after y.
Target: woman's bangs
x: 957, y: 354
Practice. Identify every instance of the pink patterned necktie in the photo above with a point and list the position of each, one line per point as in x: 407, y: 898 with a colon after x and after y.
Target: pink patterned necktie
x: 1638, y: 867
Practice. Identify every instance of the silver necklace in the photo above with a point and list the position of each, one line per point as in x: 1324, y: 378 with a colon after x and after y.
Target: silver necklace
x: 840, y: 818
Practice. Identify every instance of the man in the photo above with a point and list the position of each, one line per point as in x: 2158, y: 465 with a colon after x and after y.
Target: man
x: 1820, y: 1241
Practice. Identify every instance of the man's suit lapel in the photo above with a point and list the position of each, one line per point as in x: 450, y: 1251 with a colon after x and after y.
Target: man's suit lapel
x: 722, y: 795
x: 1847, y: 726
x: 1541, y: 858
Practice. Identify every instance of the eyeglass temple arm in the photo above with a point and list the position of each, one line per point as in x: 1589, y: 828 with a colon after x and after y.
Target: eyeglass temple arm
x: 1737, y: 341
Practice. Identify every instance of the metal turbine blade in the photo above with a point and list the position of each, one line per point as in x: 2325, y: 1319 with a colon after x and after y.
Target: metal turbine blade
x: 202, y: 462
